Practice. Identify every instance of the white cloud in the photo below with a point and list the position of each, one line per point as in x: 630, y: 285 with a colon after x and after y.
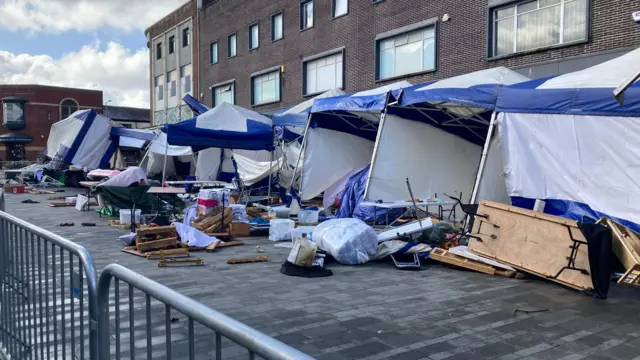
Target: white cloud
x: 55, y: 16
x: 123, y: 75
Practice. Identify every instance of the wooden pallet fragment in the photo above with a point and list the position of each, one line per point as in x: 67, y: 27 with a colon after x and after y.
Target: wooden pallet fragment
x: 247, y: 260
x: 626, y: 246
x: 444, y: 256
x: 180, y: 262
x: 156, y: 244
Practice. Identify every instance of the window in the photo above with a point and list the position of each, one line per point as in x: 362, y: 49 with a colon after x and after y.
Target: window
x: 185, y: 78
x: 13, y: 115
x: 407, y: 53
x: 537, y: 24
x: 159, y: 88
x: 265, y: 88
x: 222, y: 94
x: 306, y: 14
x: 340, y: 7
x: 323, y: 74
x: 171, y: 84
x: 231, y: 42
x: 68, y: 107
x: 213, y: 52
x: 158, y: 51
x: 254, y: 36
x: 277, y: 28
x: 186, y: 37
x: 172, y: 44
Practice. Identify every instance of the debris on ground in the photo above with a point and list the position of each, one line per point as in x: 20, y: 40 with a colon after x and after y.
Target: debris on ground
x: 29, y: 201
x: 66, y: 224
x: 247, y: 260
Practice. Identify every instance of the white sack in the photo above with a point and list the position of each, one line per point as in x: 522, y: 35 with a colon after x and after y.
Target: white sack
x: 252, y: 171
x: 330, y: 155
x: 589, y: 159
x: 124, y: 179
x: 434, y: 160
x: 349, y: 241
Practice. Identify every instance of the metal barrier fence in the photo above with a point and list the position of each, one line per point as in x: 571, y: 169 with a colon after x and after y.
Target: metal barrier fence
x: 48, y: 294
x: 161, y: 343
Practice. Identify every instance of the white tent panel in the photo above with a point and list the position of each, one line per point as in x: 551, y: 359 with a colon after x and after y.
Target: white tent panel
x: 209, y: 161
x: 433, y: 160
x: 258, y: 155
x: 159, y: 146
x: 493, y: 185
x: 588, y: 159
x: 229, y: 117
x: 94, y: 144
x: 497, y: 75
x: 126, y: 141
x: 63, y: 133
x: 330, y: 155
x: 252, y: 171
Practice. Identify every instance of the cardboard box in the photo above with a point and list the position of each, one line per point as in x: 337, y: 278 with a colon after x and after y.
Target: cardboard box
x: 239, y: 229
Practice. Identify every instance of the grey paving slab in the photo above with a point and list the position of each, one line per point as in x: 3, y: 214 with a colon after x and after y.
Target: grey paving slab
x: 372, y: 311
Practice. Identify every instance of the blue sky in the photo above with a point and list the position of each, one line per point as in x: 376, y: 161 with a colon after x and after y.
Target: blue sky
x: 81, y: 43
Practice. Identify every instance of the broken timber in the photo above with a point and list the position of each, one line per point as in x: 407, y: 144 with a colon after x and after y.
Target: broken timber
x: 248, y: 260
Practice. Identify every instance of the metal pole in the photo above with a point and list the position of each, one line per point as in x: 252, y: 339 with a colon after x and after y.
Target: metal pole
x: 415, y: 207
x: 148, y: 148
x: 166, y: 152
x: 302, y: 148
x: 483, y: 158
x: 383, y: 116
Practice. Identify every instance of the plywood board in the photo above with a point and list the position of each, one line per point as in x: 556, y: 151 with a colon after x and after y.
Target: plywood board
x: 444, y: 256
x: 531, y: 241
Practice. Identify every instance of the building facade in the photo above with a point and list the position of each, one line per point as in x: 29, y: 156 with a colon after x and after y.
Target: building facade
x: 271, y: 54
x: 28, y: 111
x: 173, y: 72
x: 129, y: 117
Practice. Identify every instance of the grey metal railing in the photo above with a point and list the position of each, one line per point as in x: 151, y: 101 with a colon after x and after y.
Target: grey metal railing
x: 48, y: 297
x: 166, y: 300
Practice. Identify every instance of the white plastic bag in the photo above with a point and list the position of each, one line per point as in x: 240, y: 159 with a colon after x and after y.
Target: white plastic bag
x: 350, y: 241
x: 81, y: 202
x: 303, y: 252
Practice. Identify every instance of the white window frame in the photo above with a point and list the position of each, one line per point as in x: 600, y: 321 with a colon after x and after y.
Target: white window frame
x: 408, y: 33
x: 273, y: 26
x: 183, y: 81
x: 188, y: 37
x: 230, y: 86
x: 260, y: 79
x: 334, y: 7
x: 494, y: 26
x: 315, y: 61
x: 253, y: 46
x: 303, y: 18
x: 159, y: 87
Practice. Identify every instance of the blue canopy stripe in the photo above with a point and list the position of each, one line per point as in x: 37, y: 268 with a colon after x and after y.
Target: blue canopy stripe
x: 87, y: 117
x: 196, y: 106
x: 132, y: 133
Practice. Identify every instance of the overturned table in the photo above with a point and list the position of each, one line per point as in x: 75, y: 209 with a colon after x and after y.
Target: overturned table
x: 409, y: 204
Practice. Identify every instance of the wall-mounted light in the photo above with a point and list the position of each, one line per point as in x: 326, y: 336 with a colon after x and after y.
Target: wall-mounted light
x: 48, y: 115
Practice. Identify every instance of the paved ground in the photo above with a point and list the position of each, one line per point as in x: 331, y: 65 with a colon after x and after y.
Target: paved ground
x: 372, y: 311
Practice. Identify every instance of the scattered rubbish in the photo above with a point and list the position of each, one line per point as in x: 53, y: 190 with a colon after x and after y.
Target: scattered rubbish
x: 280, y: 229
x: 66, y: 224
x: 88, y: 224
x: 626, y: 247
x: 516, y: 311
x: 66, y: 204
x: 259, y: 249
x: 306, y: 272
x: 303, y: 252
x: 29, y: 201
x: 247, y: 260
x: 180, y: 262
x: 448, y: 257
x: 463, y: 251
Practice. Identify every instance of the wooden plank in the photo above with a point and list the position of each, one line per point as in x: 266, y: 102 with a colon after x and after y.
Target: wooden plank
x: 212, y: 220
x: 156, y: 244
x: 449, y: 258
x: 132, y: 250
x: 212, y: 247
x: 230, y: 243
x: 156, y: 230
x: 202, y: 216
x: 180, y: 262
x: 227, y: 220
x: 631, y: 277
x: 532, y: 242
x: 247, y: 260
x: 168, y: 252
x: 623, y: 244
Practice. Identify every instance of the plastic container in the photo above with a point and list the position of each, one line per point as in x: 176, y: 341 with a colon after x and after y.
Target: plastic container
x: 280, y: 212
x: 125, y: 216
x: 297, y: 232
x: 308, y: 217
x: 280, y: 229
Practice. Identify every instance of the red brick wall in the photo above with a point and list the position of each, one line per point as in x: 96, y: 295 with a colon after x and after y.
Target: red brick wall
x: 42, y: 110
x: 461, y: 41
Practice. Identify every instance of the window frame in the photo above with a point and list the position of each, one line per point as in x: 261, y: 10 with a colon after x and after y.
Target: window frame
x: 302, y: 17
x: 211, y: 62
x: 276, y: 70
x: 62, y: 105
x: 186, y: 34
x: 235, y: 35
x: 250, y: 42
x: 319, y: 56
x: 213, y: 88
x: 491, y: 31
x: 333, y: 10
x: 281, y: 14
x: 183, y: 81
x: 159, y: 50
x: 172, y: 44
x: 433, y: 22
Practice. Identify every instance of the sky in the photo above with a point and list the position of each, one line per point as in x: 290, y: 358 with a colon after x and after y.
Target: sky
x: 91, y: 44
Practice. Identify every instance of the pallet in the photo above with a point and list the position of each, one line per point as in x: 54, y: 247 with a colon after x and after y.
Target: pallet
x: 444, y: 256
x: 211, y: 221
x: 156, y: 244
x: 631, y: 277
x: 626, y: 247
x: 532, y: 242
x: 248, y: 260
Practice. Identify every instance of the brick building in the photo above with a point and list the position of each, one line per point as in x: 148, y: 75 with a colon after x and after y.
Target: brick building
x: 28, y: 111
x: 172, y: 58
x: 271, y: 54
